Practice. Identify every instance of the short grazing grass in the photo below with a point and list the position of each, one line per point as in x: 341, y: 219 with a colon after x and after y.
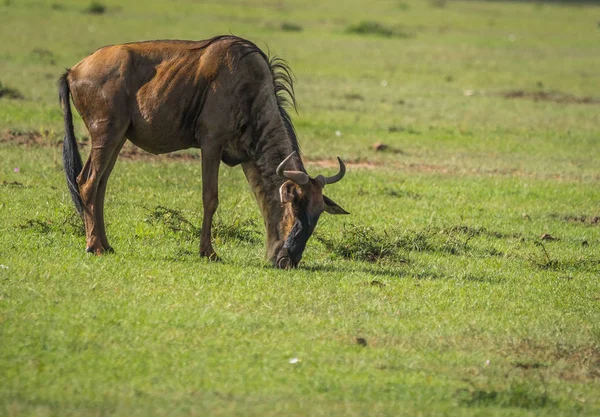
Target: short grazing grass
x: 465, y: 281
x: 464, y: 306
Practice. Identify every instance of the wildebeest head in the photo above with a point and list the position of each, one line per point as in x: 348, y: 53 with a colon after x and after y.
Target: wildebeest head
x: 303, y: 202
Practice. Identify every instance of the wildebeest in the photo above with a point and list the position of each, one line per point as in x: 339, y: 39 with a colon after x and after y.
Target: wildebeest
x: 222, y: 95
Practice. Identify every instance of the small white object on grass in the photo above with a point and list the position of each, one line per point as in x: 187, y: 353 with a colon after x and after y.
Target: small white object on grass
x: 384, y: 83
x: 338, y: 133
x: 294, y: 360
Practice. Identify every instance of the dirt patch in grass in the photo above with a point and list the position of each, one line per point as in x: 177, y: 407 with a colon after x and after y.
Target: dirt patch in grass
x: 48, y: 139
x: 482, y: 231
x: 30, y: 138
x: 333, y: 163
x: 132, y: 152
x: 587, y: 220
x: 552, y: 96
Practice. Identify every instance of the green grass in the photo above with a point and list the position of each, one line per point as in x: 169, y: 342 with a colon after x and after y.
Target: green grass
x: 440, y: 295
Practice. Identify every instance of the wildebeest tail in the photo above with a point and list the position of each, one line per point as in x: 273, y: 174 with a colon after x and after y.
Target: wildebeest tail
x: 71, y: 157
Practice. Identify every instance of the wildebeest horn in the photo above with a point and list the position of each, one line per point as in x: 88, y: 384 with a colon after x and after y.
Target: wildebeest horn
x: 299, y: 177
x: 338, y: 176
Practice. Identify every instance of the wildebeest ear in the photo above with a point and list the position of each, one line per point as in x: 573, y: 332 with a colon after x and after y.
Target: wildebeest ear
x: 332, y: 208
x: 288, y: 191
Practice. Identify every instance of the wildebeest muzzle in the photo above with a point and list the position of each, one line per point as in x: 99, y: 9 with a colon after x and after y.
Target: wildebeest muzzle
x: 290, y: 255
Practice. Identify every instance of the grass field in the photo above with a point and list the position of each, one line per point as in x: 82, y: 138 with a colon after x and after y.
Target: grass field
x: 466, y: 282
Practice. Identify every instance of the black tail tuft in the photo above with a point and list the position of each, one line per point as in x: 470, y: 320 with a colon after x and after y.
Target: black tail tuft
x: 71, y: 157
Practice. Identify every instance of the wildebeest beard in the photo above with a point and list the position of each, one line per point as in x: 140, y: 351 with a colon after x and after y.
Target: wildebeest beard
x: 296, y: 240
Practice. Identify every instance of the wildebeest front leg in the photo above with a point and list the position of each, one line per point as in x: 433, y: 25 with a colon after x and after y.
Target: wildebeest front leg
x: 211, y: 159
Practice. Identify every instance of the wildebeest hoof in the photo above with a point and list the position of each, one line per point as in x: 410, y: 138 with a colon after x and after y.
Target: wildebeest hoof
x: 95, y: 251
x: 110, y: 250
x: 210, y: 255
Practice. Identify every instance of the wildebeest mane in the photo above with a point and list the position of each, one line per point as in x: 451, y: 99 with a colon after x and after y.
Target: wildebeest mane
x: 283, y: 84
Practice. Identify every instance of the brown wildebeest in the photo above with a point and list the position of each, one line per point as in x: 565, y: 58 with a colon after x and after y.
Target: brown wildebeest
x: 222, y: 95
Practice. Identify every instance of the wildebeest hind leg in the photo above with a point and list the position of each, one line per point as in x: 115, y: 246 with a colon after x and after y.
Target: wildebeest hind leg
x: 211, y: 158
x: 100, y: 198
x: 104, y: 147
